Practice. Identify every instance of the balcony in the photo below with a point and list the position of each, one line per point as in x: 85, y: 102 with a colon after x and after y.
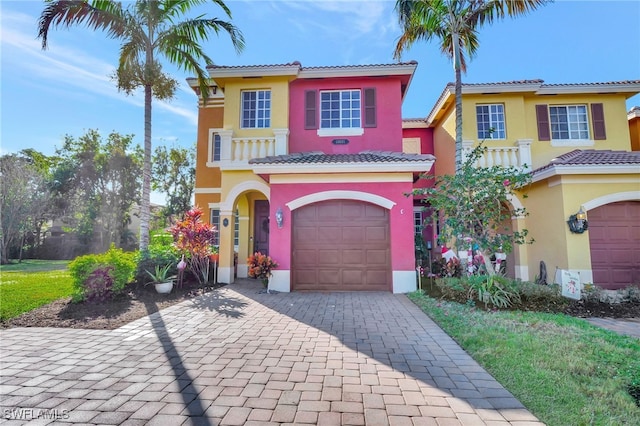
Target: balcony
x: 234, y: 153
x: 517, y: 155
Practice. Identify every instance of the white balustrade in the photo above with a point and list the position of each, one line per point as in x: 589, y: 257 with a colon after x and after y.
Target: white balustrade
x: 518, y: 156
x: 235, y: 153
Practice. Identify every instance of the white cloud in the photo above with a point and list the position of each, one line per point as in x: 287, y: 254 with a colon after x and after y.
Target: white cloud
x: 66, y: 66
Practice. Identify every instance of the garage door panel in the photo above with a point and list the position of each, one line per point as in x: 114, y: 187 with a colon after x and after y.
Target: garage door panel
x: 352, y: 211
x: 328, y: 235
x: 328, y: 277
x: 352, y: 257
x: 352, y: 277
x: 326, y: 257
x: 353, y: 235
x: 614, y: 238
x: 350, y: 248
x: 305, y: 234
x: 376, y: 234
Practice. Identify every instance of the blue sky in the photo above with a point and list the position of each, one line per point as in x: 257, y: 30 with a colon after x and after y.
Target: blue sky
x: 66, y: 89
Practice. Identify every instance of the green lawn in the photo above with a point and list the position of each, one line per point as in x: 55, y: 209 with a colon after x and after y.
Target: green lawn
x: 564, y: 370
x: 31, y: 284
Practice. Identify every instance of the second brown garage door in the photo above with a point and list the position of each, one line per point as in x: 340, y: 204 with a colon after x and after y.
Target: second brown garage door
x: 614, y: 236
x: 341, y: 245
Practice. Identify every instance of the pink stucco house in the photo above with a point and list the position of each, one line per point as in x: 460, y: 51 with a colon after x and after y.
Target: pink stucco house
x: 314, y: 166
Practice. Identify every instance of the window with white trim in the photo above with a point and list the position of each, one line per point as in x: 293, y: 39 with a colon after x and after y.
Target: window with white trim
x: 340, y: 109
x: 418, y: 221
x: 490, y: 120
x: 256, y: 109
x: 214, y: 220
x: 215, y: 147
x: 236, y: 229
x: 569, y: 122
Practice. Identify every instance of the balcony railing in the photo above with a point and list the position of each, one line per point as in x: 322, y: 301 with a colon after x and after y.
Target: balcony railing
x: 518, y: 155
x: 235, y: 153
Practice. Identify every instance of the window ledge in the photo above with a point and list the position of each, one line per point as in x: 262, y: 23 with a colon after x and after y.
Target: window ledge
x: 572, y: 142
x: 351, y: 131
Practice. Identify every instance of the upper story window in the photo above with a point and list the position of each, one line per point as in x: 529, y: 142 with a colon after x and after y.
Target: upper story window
x: 340, y: 109
x: 340, y: 112
x: 490, y: 120
x: 569, y: 122
x: 256, y: 109
x: 568, y: 125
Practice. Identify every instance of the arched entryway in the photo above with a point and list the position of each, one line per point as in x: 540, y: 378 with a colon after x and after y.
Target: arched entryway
x: 341, y: 245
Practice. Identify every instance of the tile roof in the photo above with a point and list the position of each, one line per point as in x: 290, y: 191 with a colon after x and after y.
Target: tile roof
x: 239, y: 67
x: 317, y: 157
x: 360, y: 66
x: 594, y: 157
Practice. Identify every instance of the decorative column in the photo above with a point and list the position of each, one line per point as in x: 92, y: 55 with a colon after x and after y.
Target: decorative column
x: 467, y: 147
x: 226, y: 148
x: 524, y: 148
x: 282, y: 145
x: 226, y: 269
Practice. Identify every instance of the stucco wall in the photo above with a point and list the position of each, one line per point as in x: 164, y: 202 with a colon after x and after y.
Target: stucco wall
x: 386, y: 136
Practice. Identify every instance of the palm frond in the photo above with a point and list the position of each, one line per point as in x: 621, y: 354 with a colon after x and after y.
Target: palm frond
x: 102, y: 15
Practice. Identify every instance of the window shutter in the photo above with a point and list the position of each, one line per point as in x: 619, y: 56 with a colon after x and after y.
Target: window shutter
x: 542, y: 115
x: 310, y: 107
x: 370, y: 107
x: 597, y: 115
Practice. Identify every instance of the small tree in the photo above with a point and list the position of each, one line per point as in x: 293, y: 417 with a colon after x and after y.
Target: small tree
x: 471, y: 206
x: 194, y: 238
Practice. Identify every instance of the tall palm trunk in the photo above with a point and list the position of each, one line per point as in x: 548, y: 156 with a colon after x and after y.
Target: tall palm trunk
x: 145, y: 203
x: 458, y: 120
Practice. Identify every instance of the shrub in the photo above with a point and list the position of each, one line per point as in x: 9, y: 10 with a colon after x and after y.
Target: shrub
x: 123, y: 264
x: 493, y: 290
x: 541, y: 298
x: 98, y: 287
x: 161, y: 252
x: 194, y: 239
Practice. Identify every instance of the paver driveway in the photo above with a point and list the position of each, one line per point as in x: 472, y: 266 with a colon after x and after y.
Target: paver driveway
x: 236, y: 357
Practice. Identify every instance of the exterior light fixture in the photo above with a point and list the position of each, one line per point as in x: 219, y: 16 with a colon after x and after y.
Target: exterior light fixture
x: 578, y: 222
x: 279, y: 217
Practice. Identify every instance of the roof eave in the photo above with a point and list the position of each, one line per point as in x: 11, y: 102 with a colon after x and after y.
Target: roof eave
x: 586, y: 169
x: 310, y: 168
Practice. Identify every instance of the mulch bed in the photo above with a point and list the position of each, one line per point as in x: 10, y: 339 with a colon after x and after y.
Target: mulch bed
x: 140, y: 301
x: 583, y: 309
x: 137, y: 302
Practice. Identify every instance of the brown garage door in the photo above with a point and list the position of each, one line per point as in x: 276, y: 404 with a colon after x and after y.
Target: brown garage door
x: 341, y: 245
x: 614, y: 238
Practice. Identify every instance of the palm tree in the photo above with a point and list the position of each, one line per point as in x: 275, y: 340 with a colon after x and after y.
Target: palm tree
x: 455, y: 24
x: 148, y: 29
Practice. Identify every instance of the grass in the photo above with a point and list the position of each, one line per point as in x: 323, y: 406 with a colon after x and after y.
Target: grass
x: 34, y: 265
x: 564, y: 370
x: 31, y: 284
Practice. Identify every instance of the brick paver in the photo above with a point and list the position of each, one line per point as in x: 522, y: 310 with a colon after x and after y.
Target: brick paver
x: 237, y: 356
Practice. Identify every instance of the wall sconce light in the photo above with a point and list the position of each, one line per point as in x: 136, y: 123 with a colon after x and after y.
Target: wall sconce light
x: 578, y: 222
x: 279, y: 217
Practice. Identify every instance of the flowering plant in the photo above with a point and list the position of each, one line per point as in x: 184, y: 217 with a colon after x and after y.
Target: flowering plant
x: 194, y: 238
x: 260, y: 266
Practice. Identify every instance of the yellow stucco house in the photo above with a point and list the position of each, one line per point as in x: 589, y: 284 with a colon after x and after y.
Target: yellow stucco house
x: 575, y: 140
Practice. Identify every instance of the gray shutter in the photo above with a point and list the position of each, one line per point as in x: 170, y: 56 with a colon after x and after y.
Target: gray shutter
x: 310, y: 110
x: 542, y: 116
x: 597, y: 116
x: 370, y: 107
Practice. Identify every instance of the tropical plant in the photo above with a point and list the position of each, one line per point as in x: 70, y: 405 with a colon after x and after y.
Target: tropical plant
x: 98, y: 286
x: 261, y: 267
x: 471, y: 207
x: 147, y: 30
x: 194, y: 240
x: 161, y: 274
x: 454, y: 24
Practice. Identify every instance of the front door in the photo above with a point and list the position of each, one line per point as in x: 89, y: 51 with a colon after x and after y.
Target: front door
x: 261, y: 227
